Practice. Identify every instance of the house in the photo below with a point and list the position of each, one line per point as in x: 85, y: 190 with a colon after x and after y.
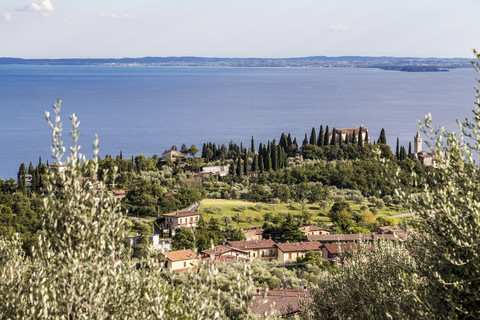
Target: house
x: 119, y: 194
x: 61, y: 166
x: 257, y: 249
x: 187, y: 219
x: 391, y: 230
x: 222, y: 171
x: 331, y: 251
x: 156, y: 244
x: 313, y: 230
x: 181, y: 260
x: 291, y: 251
x: 173, y: 155
x: 253, y: 234
x: 343, y: 133
x: 224, y: 251
x: 344, y: 238
x: 283, y: 302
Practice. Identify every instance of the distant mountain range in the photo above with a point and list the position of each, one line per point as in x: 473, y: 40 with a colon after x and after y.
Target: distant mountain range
x: 409, y: 64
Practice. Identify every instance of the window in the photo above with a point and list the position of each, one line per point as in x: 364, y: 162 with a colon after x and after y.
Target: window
x: 290, y: 255
x: 184, y: 264
x: 180, y: 221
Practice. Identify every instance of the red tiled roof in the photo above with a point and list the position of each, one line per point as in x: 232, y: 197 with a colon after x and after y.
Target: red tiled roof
x: 337, y: 247
x: 253, y: 244
x: 181, y: 214
x: 387, y: 229
x: 298, y: 246
x: 175, y: 152
x: 221, y: 249
x: 180, y: 255
x: 313, y: 228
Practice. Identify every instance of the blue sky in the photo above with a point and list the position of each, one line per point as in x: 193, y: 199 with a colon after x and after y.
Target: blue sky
x: 238, y: 28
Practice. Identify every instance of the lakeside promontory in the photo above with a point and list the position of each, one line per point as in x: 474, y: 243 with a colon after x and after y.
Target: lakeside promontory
x: 409, y: 64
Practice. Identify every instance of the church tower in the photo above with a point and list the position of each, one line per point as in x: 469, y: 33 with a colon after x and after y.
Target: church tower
x: 417, y: 143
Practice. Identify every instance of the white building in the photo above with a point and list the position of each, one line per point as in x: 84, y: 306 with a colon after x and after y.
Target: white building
x: 187, y: 219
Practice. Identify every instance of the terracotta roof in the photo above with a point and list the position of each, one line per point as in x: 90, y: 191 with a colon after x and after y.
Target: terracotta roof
x: 181, y: 214
x: 221, y: 249
x: 253, y: 244
x: 252, y: 232
x: 278, y: 302
x: 387, y: 229
x: 349, y: 237
x: 169, y: 194
x: 313, y: 228
x: 180, y: 255
x: 337, y: 247
x: 298, y: 246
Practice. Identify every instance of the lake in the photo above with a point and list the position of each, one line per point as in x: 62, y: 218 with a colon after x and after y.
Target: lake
x: 145, y: 110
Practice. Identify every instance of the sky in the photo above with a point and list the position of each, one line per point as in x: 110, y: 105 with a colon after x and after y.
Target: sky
x: 238, y: 28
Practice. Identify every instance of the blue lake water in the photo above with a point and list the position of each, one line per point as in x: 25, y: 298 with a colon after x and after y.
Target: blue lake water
x: 144, y: 110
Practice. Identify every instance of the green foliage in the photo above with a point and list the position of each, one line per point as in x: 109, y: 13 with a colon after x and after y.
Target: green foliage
x: 374, y: 282
x: 81, y: 269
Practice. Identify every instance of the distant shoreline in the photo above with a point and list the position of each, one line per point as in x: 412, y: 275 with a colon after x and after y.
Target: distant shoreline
x: 405, y: 64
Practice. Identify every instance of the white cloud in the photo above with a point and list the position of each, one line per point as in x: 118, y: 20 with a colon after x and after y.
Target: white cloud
x: 42, y: 6
x: 117, y: 16
x: 7, y: 16
x: 337, y: 27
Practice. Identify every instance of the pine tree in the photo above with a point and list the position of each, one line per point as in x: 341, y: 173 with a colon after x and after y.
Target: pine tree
x: 320, y: 137
x: 326, y: 138
x: 382, y: 138
x: 313, y: 137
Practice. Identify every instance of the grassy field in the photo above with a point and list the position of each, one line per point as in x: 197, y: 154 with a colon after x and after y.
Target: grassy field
x: 244, y: 209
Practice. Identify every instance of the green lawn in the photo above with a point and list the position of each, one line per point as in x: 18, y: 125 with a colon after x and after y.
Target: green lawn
x: 221, y: 207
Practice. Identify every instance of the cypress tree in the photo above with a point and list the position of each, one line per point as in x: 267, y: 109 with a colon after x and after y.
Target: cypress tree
x: 397, y: 150
x: 289, y: 140
x: 22, y: 171
x: 366, y: 137
x: 354, y: 139
x: 268, y: 165
x: 255, y: 163
x: 410, y: 150
x: 260, y: 162
x: 313, y: 137
x: 320, y: 137
x: 283, y: 141
x: 121, y: 155
x: 382, y: 138
x: 305, y: 141
x: 360, y: 139
x: 245, y: 165
x: 340, y: 140
x: 403, y: 153
x: 252, y: 145
x: 239, y: 166
x: 325, y: 139
x: 332, y: 141
x: 31, y: 169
